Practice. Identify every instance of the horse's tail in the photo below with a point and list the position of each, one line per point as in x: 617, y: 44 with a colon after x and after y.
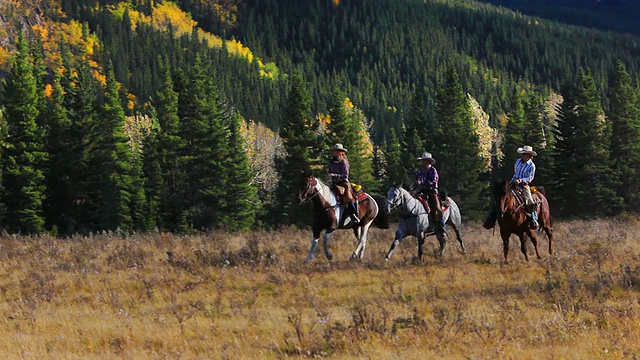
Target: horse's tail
x: 382, y: 219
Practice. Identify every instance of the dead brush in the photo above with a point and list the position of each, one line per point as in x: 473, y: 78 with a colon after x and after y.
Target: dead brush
x: 305, y: 340
x: 38, y: 287
x: 127, y: 256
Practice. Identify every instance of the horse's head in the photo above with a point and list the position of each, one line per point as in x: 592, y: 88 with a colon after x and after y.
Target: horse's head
x: 503, y: 194
x: 394, y: 199
x: 308, y: 190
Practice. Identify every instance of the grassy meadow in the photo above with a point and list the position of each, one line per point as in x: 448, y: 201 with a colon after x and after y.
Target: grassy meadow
x: 222, y: 296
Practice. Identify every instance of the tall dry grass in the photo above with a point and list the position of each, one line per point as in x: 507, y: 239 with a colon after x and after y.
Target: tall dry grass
x: 249, y: 296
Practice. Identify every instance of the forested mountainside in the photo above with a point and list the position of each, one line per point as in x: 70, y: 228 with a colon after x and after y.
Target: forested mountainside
x: 200, y: 114
x: 615, y: 15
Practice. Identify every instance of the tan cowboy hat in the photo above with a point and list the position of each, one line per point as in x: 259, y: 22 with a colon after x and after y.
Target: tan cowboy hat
x: 527, y: 150
x: 427, y: 156
x: 339, y: 147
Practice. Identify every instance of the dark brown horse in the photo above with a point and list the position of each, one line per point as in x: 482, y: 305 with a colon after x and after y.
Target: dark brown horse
x: 329, y: 215
x: 513, y: 219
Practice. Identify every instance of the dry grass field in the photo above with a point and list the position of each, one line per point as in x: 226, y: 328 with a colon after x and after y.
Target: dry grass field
x: 221, y: 296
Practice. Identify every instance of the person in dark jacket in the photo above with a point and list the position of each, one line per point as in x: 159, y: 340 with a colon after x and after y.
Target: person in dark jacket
x: 427, y: 184
x: 339, y: 178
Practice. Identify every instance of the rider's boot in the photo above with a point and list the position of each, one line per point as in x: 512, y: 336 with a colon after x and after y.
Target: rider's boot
x: 355, y: 217
x: 534, y: 220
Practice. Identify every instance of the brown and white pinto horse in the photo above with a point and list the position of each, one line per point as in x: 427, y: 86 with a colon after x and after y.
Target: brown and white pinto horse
x: 513, y: 219
x: 329, y: 215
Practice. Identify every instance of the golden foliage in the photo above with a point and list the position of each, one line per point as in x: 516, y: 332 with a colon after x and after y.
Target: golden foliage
x: 487, y: 136
x: 263, y: 145
x: 168, y: 12
x: 131, y: 101
x: 48, y: 91
x: 137, y: 128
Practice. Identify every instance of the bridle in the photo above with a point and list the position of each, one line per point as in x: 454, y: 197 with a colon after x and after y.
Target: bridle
x: 304, y: 198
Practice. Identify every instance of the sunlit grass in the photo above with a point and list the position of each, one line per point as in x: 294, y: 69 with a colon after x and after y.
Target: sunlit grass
x: 249, y: 296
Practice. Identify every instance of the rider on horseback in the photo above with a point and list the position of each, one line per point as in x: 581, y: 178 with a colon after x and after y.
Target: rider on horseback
x: 339, y: 178
x: 427, y: 185
x: 524, y: 172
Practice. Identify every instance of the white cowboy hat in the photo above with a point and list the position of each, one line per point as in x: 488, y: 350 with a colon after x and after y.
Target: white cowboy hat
x: 527, y: 150
x: 339, y: 147
x: 427, y: 156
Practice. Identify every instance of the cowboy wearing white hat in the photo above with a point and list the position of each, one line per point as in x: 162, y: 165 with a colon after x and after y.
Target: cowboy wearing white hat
x: 339, y: 177
x: 523, y: 174
x: 427, y: 184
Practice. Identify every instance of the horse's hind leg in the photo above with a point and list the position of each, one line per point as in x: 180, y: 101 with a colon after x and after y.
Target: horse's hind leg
x: 549, y: 231
x: 456, y: 229
x: 442, y: 239
x: 396, y: 242
x: 325, y: 242
x: 421, y: 239
x: 534, y: 241
x: 523, y: 245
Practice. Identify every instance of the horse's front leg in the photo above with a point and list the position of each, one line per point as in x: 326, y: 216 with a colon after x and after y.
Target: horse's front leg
x: 398, y: 239
x: 325, y: 241
x: 362, y: 241
x: 505, y: 245
x: 314, y: 243
x: 534, y: 241
x: 421, y: 239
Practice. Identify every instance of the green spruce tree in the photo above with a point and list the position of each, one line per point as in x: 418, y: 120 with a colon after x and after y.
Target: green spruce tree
x: 537, y: 136
x: 112, y: 159
x: 240, y: 200
x: 624, y: 116
x: 299, y: 133
x: 394, y: 174
x: 417, y: 132
x: 24, y: 155
x: 60, y: 166
x: 582, y: 170
x: 347, y: 126
x: 456, y: 144
x: 204, y: 150
x: 514, y: 133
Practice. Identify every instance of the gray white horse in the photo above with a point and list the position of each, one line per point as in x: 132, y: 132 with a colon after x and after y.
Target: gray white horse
x: 414, y: 220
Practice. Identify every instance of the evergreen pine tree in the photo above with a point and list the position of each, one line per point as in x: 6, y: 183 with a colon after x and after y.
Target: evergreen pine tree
x: 60, y: 166
x: 514, y: 134
x: 456, y: 142
x: 394, y: 171
x: 240, y: 203
x: 536, y: 136
x: 300, y: 139
x: 584, y: 179
x: 204, y: 150
x: 81, y: 92
x: 164, y: 147
x: 347, y: 127
x: 417, y: 133
x: 624, y: 116
x: 112, y: 158
x: 24, y: 156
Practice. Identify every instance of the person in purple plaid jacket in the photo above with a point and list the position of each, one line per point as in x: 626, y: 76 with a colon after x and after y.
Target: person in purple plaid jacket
x: 427, y: 184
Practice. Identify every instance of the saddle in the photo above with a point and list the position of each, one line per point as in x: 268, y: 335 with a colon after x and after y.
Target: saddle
x: 519, y: 195
x: 356, y: 190
x: 444, y: 203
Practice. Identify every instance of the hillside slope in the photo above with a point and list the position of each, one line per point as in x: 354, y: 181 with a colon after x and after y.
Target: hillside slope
x: 615, y: 15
